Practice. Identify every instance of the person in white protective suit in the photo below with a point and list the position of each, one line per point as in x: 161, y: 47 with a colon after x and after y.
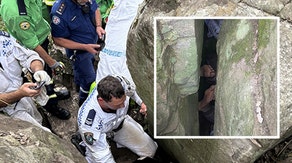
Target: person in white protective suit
x: 105, y: 113
x: 19, y: 100
x: 113, y: 58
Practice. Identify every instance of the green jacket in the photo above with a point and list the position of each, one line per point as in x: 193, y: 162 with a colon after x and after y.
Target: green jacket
x: 31, y: 29
x: 105, y: 7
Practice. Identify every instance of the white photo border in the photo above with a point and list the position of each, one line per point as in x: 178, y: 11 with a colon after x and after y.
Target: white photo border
x: 218, y: 137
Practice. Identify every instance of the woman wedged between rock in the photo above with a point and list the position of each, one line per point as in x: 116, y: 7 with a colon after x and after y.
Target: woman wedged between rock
x: 208, y: 77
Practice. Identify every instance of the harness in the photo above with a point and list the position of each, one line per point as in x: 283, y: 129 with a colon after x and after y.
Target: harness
x: 1, y: 67
x: 3, y: 33
x: 21, y: 7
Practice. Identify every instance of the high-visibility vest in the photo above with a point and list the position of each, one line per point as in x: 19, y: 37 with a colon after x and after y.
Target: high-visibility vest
x: 49, y: 2
x: 92, y: 86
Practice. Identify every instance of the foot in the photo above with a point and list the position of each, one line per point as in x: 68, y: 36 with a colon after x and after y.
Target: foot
x: 62, y: 92
x: 207, y: 71
x: 59, y: 112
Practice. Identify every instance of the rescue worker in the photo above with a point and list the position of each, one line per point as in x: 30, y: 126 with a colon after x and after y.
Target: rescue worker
x: 104, y: 6
x: 17, y: 99
x: 76, y: 26
x: 29, y: 27
x: 113, y: 58
x: 105, y: 113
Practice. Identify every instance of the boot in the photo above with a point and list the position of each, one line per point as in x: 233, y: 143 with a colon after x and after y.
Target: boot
x: 58, y: 112
x: 62, y: 92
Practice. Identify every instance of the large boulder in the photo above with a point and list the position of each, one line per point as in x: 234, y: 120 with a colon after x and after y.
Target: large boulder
x: 206, y: 150
x: 246, y: 90
x: 21, y: 141
x: 178, y: 62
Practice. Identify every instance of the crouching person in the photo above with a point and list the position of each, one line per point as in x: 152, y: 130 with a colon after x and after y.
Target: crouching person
x: 17, y: 99
x: 105, y: 112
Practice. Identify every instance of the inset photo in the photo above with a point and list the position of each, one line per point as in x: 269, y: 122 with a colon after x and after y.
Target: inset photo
x: 216, y: 77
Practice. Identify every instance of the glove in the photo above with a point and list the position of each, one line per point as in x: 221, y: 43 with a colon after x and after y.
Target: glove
x: 58, y: 68
x: 42, y: 98
x: 42, y: 76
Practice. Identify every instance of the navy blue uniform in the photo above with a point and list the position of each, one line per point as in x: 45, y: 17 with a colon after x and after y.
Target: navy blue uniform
x: 70, y: 22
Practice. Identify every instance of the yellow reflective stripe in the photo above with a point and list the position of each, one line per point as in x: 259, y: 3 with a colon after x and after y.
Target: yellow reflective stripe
x: 49, y: 3
x: 53, y: 96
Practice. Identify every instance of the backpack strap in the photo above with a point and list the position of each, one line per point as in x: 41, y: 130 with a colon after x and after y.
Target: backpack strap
x: 1, y: 67
x: 21, y: 7
x: 3, y: 33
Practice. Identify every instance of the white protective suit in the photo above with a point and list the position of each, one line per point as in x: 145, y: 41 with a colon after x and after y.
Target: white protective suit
x: 113, y: 58
x: 13, y: 58
x: 91, y: 118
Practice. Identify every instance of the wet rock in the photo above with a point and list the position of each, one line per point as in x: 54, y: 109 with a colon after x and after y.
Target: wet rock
x: 246, y: 90
x: 178, y: 63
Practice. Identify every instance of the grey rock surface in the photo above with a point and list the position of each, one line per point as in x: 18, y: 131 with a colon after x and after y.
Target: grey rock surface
x: 23, y: 142
x: 178, y: 63
x: 246, y: 90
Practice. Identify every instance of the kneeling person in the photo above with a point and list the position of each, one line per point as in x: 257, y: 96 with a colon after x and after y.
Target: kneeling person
x: 17, y: 100
x: 104, y: 112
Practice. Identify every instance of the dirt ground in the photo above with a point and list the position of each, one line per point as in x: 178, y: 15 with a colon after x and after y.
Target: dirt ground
x: 281, y: 153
